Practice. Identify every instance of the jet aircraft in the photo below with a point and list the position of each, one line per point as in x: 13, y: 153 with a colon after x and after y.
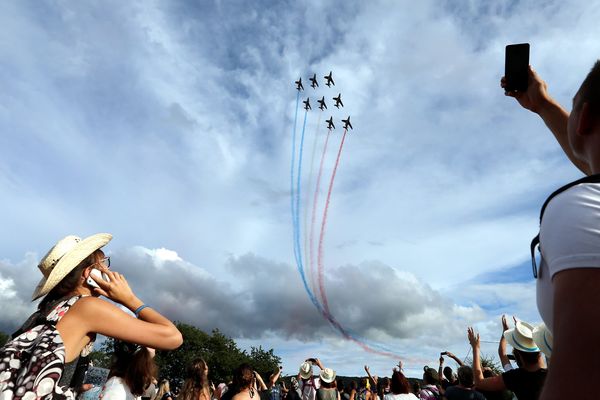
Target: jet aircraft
x: 347, y: 123
x: 299, y: 85
x: 329, y: 80
x: 338, y: 101
x: 330, y: 124
x: 307, y: 104
x: 314, y: 82
x: 322, y: 104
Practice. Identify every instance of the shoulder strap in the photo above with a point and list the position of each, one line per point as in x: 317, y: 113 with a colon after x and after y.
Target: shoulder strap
x: 536, y: 240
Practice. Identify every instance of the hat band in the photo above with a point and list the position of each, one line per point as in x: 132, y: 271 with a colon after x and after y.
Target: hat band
x: 525, y: 349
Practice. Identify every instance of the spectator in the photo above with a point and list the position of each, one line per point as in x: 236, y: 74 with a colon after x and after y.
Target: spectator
x: 353, y: 390
x: 69, y: 316
x: 527, y: 380
x: 274, y: 388
x: 307, y: 383
x: 244, y: 384
x: 430, y: 391
x: 400, y: 388
x: 132, y: 371
x: 501, y: 395
x: 196, y: 385
x: 164, y: 391
x: 569, y: 240
x: 328, y: 389
x: 464, y: 390
x: 447, y: 373
x: 151, y: 390
x: 385, y: 387
x: 416, y: 387
x: 504, y: 359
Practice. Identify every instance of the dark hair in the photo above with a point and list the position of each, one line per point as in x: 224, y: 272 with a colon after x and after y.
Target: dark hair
x: 527, y: 358
x: 589, y: 92
x: 430, y: 376
x: 488, y: 373
x: 448, y: 373
x: 328, y: 385
x: 416, y: 387
x: 465, y: 376
x: 134, y: 364
x: 242, y: 377
x: 353, y: 385
x: 400, y: 384
x: 196, y: 380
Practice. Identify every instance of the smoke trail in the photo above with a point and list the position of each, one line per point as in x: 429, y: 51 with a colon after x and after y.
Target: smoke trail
x: 308, y: 257
x: 324, y: 224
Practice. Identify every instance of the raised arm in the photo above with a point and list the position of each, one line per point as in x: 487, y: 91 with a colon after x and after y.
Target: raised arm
x: 504, y: 360
x: 458, y: 360
x: 494, y: 383
x: 260, y: 384
x: 536, y: 99
x: 273, y: 378
x: 373, y: 379
x: 441, y: 367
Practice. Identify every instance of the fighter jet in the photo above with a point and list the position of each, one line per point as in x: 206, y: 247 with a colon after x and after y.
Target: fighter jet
x: 307, y: 104
x: 347, y: 123
x: 322, y: 104
x: 314, y: 82
x: 338, y: 101
x: 329, y: 80
x: 299, y: 85
x: 330, y: 124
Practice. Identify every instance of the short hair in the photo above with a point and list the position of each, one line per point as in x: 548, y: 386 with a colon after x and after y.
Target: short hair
x: 589, y: 92
x: 430, y: 376
x: 448, y: 373
x: 399, y: 384
x: 465, y: 376
x: 528, y: 358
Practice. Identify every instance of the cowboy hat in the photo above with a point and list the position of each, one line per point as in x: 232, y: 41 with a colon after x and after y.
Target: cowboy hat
x: 543, y: 338
x: 306, y: 370
x: 521, y: 337
x: 63, y: 257
x: 327, y: 375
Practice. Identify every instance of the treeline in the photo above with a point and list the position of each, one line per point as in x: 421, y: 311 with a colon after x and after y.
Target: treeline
x: 220, y: 352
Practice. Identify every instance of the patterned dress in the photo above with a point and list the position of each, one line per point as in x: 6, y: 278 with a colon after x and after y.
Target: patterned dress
x: 32, y: 363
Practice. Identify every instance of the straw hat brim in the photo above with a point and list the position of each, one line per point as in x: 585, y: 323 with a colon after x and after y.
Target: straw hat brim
x: 69, y: 261
x: 327, y: 379
x: 527, y: 345
x: 543, y: 339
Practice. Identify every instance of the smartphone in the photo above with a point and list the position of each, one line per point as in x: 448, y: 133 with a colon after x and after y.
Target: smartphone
x: 90, y: 281
x: 516, y: 67
x: 443, y: 353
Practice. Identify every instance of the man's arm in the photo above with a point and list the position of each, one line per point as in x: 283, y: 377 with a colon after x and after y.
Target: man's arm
x: 502, y: 345
x: 536, y: 99
x: 458, y: 360
x: 373, y: 379
x: 273, y: 378
x: 576, y: 331
x: 440, y: 375
x: 492, y: 384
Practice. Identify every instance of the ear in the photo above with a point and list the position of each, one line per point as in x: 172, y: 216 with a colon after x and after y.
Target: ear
x: 585, y: 122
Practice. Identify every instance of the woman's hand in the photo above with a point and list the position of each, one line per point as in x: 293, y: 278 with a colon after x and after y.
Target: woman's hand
x: 117, y: 289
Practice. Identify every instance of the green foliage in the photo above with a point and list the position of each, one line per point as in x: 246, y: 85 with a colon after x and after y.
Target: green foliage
x: 219, y: 351
x: 102, y: 358
x: 3, y: 338
x: 488, y: 361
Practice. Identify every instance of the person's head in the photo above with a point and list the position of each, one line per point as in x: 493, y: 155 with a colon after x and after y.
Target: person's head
x: 163, y: 387
x: 526, y: 358
x: 585, y: 114
x: 465, y: 376
x: 134, y: 364
x: 399, y: 383
x: 353, y: 385
x: 306, y: 370
x: 386, y: 382
x: 448, y: 374
x: 68, y: 264
x: 488, y: 372
x: 196, y: 379
x: 416, y: 387
x: 243, y: 377
x: 327, y: 378
x: 430, y: 376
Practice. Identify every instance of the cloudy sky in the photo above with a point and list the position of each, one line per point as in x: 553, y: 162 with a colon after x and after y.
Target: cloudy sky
x: 169, y: 124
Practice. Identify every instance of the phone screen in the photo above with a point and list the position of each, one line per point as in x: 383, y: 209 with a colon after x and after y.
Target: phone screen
x: 516, y: 67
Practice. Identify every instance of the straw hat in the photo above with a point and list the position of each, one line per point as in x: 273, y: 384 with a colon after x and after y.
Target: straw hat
x: 306, y: 370
x: 64, y: 257
x: 521, y: 337
x: 543, y: 338
x: 327, y: 375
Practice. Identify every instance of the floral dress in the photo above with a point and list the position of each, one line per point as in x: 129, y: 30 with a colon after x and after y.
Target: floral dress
x: 32, y: 363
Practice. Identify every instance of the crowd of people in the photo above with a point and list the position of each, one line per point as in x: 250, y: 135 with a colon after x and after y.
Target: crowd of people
x: 48, y: 354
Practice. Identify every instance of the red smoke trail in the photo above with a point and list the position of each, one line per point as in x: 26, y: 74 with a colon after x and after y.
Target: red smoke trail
x: 324, y: 224
x: 314, y: 211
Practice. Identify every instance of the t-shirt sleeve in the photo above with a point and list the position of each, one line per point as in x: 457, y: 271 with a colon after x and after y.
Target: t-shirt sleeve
x: 570, y: 230
x: 507, y: 367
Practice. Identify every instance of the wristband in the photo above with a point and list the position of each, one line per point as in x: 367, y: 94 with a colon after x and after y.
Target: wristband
x: 139, y: 310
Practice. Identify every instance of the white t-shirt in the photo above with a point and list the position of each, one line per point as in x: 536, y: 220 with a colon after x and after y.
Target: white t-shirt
x: 569, y: 238
x: 403, y: 396
x: 308, y: 388
x: 116, y: 389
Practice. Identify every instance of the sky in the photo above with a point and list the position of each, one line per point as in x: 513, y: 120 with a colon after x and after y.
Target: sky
x: 170, y: 124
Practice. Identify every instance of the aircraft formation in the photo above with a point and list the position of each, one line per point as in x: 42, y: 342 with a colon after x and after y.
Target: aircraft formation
x: 337, y: 101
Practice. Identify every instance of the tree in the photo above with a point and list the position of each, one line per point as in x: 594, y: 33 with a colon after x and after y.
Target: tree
x: 3, y: 338
x: 263, y: 361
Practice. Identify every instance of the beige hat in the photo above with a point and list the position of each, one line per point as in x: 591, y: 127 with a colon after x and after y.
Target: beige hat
x: 521, y: 337
x: 64, y: 257
x: 327, y: 375
x: 543, y: 338
x: 306, y: 370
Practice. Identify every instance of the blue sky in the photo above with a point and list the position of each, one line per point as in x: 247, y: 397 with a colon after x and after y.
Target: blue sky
x: 169, y: 124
